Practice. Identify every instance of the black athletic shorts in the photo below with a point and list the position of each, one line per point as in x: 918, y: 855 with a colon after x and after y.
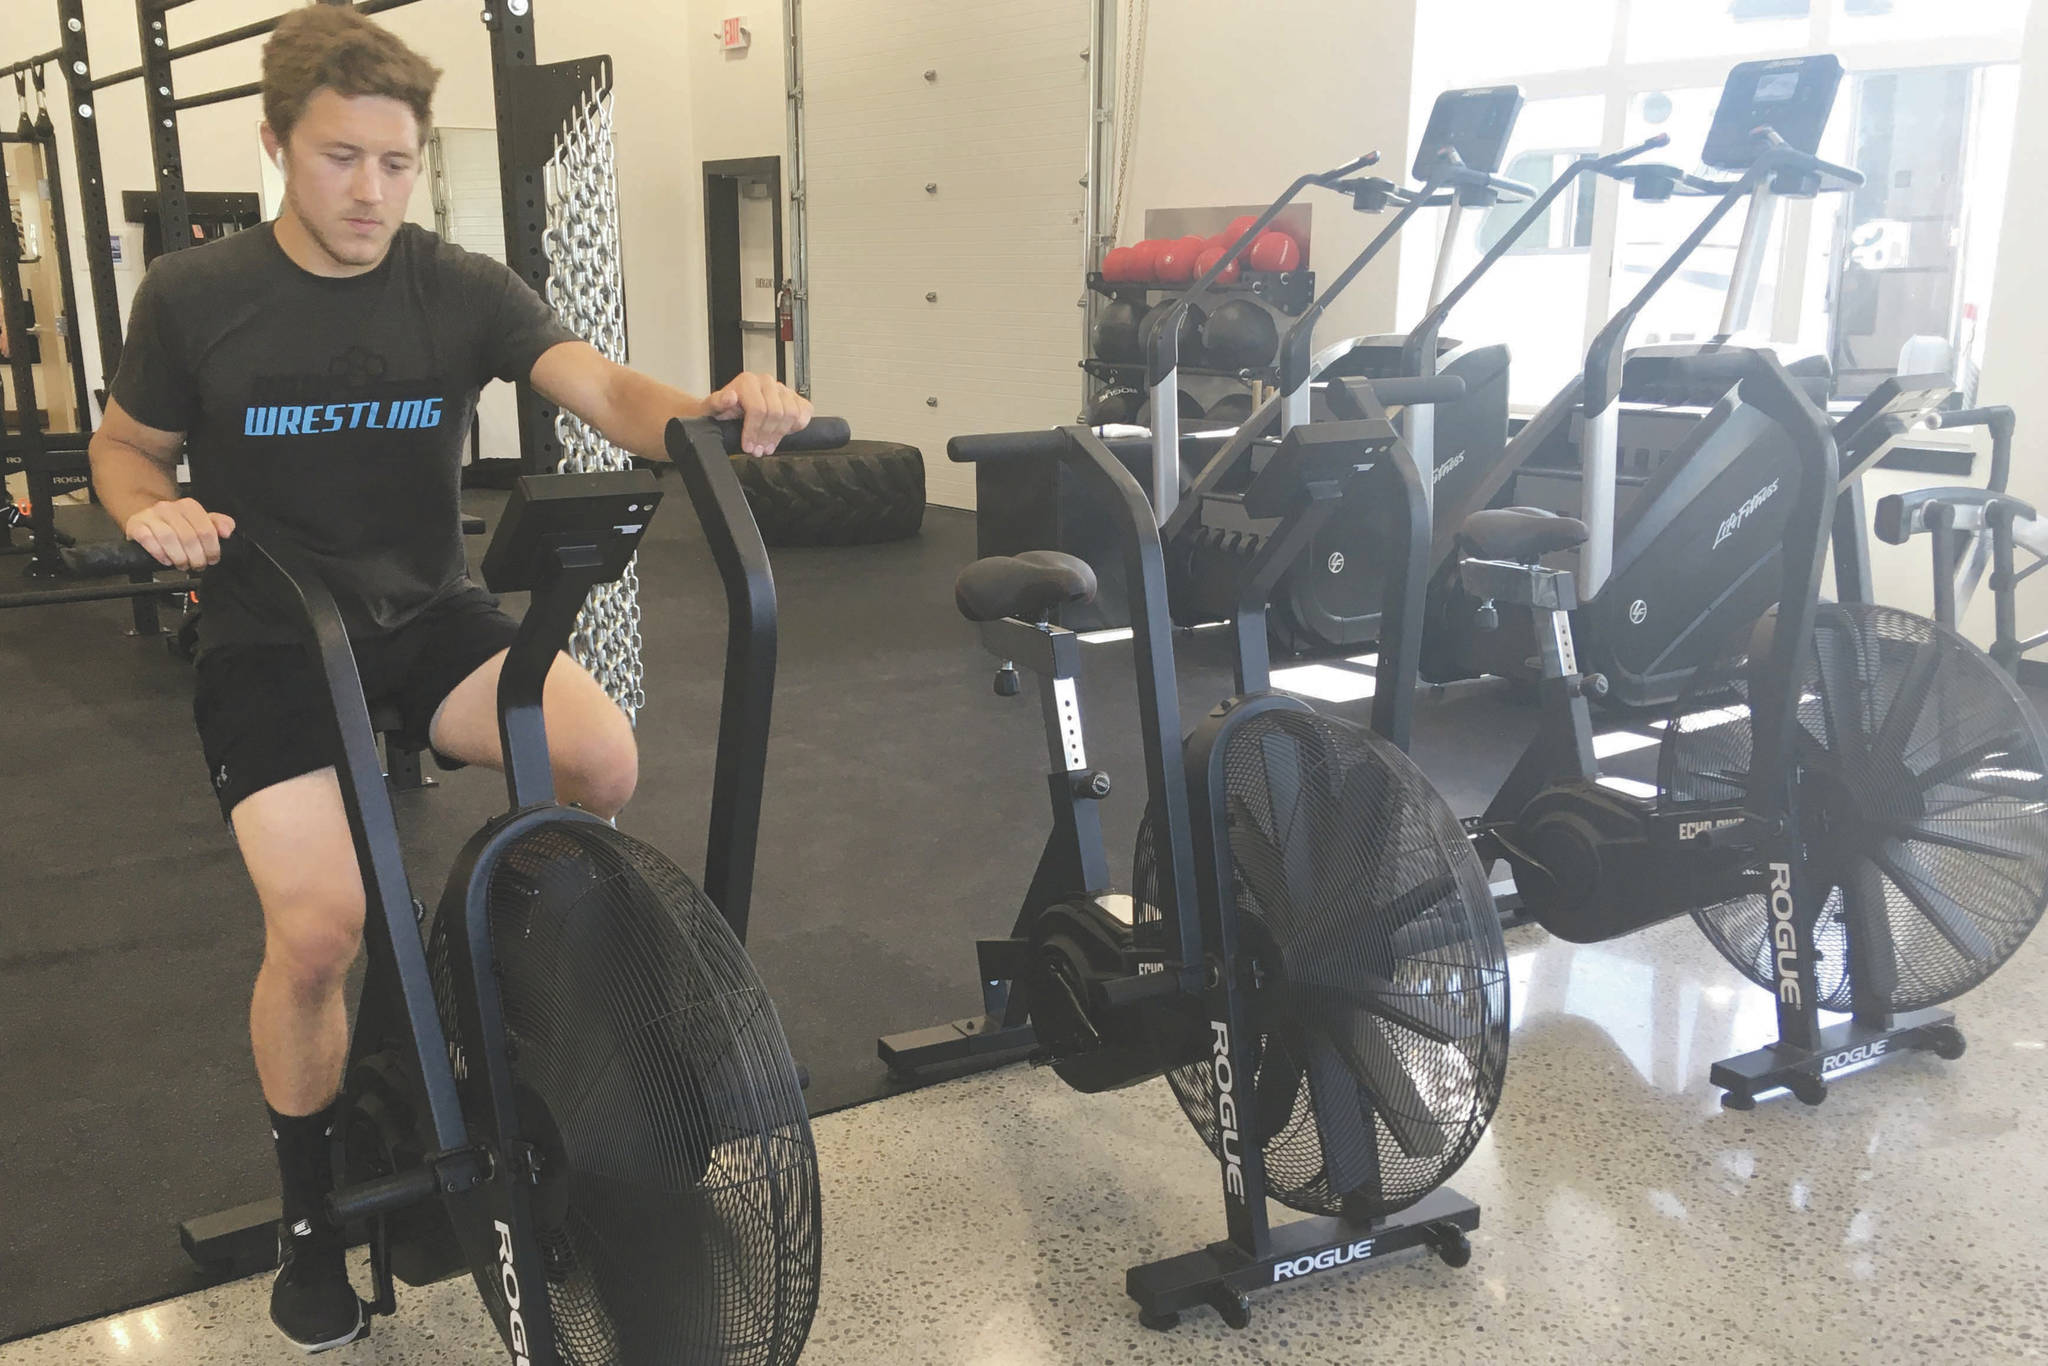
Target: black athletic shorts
x: 263, y: 710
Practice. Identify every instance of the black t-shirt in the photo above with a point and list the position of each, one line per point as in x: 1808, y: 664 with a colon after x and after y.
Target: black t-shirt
x: 329, y: 415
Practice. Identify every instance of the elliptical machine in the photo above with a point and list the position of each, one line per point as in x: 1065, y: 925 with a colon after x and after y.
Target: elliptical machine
x: 1850, y: 800
x: 1329, y: 598
x: 571, y: 1085
x: 1717, y: 504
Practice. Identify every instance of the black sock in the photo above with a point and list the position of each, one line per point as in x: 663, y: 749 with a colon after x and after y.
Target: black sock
x: 305, y: 1162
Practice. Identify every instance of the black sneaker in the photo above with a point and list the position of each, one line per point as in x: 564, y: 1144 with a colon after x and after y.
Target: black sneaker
x: 311, y: 1301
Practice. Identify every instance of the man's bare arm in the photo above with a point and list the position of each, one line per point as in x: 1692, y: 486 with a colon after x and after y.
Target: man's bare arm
x: 632, y: 411
x: 135, y: 474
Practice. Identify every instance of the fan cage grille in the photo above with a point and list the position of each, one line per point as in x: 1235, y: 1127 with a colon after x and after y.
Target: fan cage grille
x: 1922, y: 798
x: 1380, y: 1020
x: 678, y: 1207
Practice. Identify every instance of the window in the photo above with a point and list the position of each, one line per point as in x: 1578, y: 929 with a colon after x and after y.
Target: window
x: 1470, y: 39
x: 1926, y: 111
x: 1534, y: 298
x: 1890, y: 21
x: 1567, y: 225
x: 1669, y: 30
x: 1910, y: 254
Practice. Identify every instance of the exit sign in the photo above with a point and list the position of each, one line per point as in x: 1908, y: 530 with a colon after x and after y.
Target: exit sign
x: 734, y: 34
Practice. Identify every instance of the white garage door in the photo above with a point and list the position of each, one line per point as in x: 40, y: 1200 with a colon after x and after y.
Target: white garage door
x: 1000, y: 133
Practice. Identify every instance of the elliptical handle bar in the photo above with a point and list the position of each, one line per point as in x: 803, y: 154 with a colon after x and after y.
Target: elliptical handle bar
x: 1784, y: 157
x: 1608, y: 163
x: 1165, y: 357
x: 1163, y: 363
x: 1602, y: 383
x: 1419, y: 351
x: 1449, y: 169
x: 1329, y: 179
x: 1297, y: 344
x: 1996, y: 419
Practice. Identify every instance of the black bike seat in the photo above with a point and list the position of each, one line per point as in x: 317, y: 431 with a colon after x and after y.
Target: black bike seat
x: 1028, y: 585
x: 1523, y: 535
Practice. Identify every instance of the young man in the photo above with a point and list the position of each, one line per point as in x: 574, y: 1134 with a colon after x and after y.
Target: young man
x: 322, y: 373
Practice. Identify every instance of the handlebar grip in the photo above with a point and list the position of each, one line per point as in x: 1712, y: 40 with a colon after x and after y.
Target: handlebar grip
x: 1794, y: 158
x: 1413, y: 392
x: 1970, y: 417
x: 1036, y: 445
x: 108, y: 559
x: 1351, y: 167
x: 1649, y: 144
x: 822, y: 434
x: 1901, y: 516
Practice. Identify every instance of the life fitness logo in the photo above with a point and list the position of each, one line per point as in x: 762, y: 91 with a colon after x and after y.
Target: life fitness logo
x: 1783, y: 936
x: 508, y: 1277
x: 1336, y: 562
x: 1734, y: 520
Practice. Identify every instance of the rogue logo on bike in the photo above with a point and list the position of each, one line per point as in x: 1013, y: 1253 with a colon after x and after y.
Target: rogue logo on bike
x: 1324, y: 1260
x: 1783, y: 936
x: 1226, y: 1111
x: 1862, y: 1052
x: 1734, y: 520
x: 508, y: 1275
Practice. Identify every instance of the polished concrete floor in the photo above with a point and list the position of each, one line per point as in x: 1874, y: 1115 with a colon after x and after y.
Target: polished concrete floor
x: 1627, y: 1217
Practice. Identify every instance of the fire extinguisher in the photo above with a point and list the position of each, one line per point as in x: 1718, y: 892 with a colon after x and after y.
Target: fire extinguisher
x: 785, y: 313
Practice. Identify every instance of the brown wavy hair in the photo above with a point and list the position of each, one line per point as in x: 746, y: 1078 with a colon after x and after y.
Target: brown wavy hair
x: 332, y: 46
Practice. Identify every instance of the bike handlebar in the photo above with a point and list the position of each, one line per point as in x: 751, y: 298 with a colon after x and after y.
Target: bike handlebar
x: 108, y: 559
x: 1790, y: 158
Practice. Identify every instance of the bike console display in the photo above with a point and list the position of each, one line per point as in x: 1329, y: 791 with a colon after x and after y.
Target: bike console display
x: 1476, y: 124
x: 1792, y: 96
x: 549, y: 512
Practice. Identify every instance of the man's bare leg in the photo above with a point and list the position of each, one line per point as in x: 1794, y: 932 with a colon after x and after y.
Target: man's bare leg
x: 590, y: 743
x: 295, y: 841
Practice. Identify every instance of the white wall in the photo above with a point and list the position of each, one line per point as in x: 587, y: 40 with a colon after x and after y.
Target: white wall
x: 2016, y: 340
x: 737, y: 99
x: 1239, y: 100
x: 945, y: 219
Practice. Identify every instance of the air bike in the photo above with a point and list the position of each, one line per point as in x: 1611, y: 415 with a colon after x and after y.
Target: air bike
x: 1850, y: 800
x: 1308, y: 952
x: 570, y: 1085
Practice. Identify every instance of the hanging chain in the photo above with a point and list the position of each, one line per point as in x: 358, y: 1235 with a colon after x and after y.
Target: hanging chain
x: 586, y: 288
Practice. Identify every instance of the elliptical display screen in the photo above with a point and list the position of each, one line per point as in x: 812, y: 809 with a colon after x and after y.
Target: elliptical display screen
x: 1476, y: 124
x: 1793, y: 96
